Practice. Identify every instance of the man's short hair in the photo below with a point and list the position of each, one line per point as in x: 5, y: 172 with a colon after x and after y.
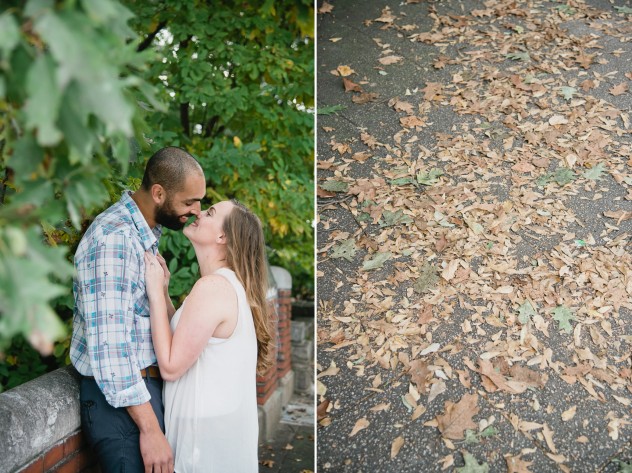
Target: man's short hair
x: 170, y: 167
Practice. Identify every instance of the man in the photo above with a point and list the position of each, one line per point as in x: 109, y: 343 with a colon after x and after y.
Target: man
x: 121, y: 389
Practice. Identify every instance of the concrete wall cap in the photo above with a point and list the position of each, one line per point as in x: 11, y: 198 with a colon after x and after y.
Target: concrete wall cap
x: 282, y: 277
x: 36, y: 415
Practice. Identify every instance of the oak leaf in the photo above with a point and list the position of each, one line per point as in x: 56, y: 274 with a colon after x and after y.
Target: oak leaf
x: 458, y: 417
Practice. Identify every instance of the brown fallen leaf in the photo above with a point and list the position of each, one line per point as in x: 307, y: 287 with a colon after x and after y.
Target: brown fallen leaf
x: 396, y: 446
x: 351, y: 86
x: 619, y: 89
x: 412, y: 121
x: 558, y: 120
x: 326, y: 7
x: 321, y: 410
x: 517, y: 464
x: 365, y: 97
x: 388, y: 60
x: 268, y: 463
x: 361, y: 156
x: 320, y: 192
x: 289, y: 446
x: 359, y: 425
x: 418, y: 373
x: 345, y: 71
x: 458, y: 417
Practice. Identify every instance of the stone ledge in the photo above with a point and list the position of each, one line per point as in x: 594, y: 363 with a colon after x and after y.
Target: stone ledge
x: 37, y: 415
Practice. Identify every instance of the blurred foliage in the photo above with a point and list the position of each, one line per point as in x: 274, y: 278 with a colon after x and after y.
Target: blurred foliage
x: 89, y: 89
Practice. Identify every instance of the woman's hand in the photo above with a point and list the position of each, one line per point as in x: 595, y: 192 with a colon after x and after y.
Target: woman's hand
x: 154, y: 275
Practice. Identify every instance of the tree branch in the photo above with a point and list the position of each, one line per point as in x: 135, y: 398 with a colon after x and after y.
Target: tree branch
x: 148, y: 40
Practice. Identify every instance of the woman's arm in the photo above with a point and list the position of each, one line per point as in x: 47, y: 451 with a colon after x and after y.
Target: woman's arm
x: 208, y: 305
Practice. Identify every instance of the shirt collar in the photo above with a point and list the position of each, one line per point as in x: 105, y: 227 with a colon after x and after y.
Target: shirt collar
x: 148, y: 237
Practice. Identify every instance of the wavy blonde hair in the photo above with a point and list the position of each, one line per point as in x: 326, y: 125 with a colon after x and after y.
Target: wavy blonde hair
x: 245, y: 255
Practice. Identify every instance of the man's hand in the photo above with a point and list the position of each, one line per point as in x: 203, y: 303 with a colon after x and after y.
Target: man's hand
x: 156, y: 452
x: 154, y: 448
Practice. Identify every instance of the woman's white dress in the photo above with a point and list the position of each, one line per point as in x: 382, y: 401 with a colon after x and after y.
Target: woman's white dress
x: 211, y: 411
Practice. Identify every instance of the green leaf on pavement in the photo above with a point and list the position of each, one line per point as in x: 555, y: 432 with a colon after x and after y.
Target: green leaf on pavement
x: 564, y: 176
x: 377, y: 262
x: 595, y: 172
x: 472, y: 466
x: 623, y: 466
x: 427, y: 279
x: 563, y: 315
x: 347, y: 250
x: 394, y: 218
x: 519, y: 56
x: 489, y: 431
x: 401, y: 181
x: 330, y: 110
x: 429, y: 178
x: 335, y: 186
x: 525, y: 312
x: 568, y: 92
x: 627, y: 10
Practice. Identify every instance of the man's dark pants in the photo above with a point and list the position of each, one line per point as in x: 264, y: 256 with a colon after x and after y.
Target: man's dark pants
x: 111, y: 431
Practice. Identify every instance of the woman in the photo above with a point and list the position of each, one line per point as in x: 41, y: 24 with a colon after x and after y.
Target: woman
x: 216, y: 342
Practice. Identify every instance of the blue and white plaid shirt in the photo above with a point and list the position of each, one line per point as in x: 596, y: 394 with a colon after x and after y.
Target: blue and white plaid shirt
x: 111, y: 335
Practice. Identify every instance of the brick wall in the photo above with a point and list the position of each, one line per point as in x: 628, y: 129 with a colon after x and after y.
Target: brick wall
x: 284, y: 358
x: 70, y: 455
x: 268, y: 382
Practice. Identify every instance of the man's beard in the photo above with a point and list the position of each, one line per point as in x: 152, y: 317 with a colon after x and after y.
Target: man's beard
x: 166, y: 217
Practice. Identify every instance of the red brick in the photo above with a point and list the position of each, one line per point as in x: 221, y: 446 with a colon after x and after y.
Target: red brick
x: 74, y: 443
x: 53, y: 456
x: 71, y: 465
x: 261, y: 400
x: 36, y: 466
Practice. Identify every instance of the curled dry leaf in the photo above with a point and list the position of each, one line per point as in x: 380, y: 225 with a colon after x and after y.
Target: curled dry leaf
x: 359, y: 425
x: 396, y: 446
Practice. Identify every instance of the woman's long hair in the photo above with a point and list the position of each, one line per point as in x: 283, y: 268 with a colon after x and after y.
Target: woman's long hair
x: 245, y: 255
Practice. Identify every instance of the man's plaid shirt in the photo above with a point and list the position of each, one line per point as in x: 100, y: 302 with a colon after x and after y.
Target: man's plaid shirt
x: 111, y: 337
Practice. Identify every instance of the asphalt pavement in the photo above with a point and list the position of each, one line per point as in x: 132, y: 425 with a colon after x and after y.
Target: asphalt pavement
x: 522, y: 108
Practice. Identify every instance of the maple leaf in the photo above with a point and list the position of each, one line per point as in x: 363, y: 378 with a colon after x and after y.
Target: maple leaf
x: 595, y: 172
x: 563, y: 316
x: 326, y: 7
x: 428, y: 277
x: 412, y: 121
x: 458, y: 417
x: 394, y: 218
x: 429, y: 178
x: 568, y: 92
x: 472, y: 465
x: 526, y: 311
x: 619, y: 89
x: 347, y: 250
x: 377, y: 262
x: 564, y: 176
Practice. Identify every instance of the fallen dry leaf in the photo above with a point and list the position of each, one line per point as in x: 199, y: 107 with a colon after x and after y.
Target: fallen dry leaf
x: 359, y: 425
x: 619, y: 89
x: 396, y: 446
x: 326, y: 7
x: 458, y: 417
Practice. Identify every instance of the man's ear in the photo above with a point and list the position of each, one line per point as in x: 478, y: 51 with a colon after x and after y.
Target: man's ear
x: 158, y: 194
